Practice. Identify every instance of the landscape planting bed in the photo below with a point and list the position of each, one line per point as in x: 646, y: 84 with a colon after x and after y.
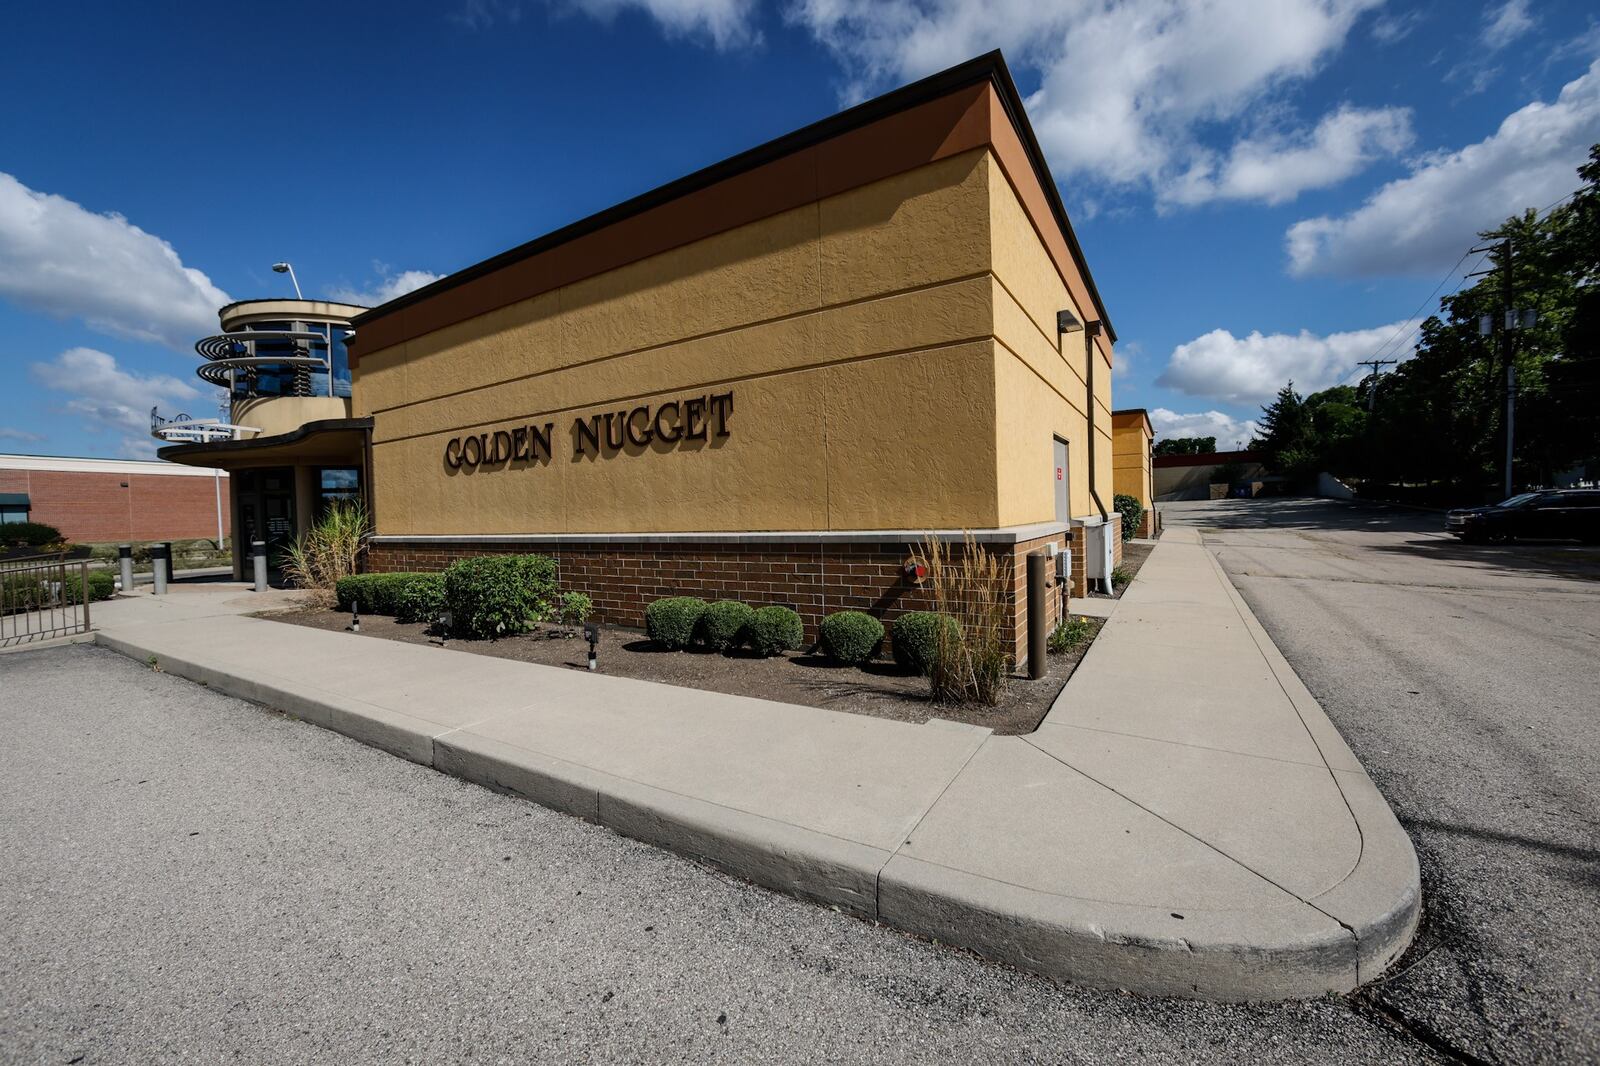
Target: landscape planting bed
x: 881, y: 689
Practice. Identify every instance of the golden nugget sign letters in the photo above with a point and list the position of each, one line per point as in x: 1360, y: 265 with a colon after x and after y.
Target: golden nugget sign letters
x: 696, y: 419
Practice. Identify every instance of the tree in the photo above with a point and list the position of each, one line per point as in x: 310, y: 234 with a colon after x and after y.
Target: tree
x: 1284, y: 424
x: 1437, y: 421
x: 1185, y: 446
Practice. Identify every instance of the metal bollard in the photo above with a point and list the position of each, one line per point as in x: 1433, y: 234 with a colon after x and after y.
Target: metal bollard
x: 258, y: 558
x: 125, y: 561
x: 1036, y: 624
x: 160, y: 557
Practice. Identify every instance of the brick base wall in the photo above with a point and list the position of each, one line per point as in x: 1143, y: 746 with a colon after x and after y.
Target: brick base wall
x: 1150, y: 525
x: 623, y: 577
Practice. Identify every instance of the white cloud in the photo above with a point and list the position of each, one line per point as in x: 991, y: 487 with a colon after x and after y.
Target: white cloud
x: 13, y: 433
x: 1127, y: 354
x: 1420, y: 224
x: 1124, y: 86
x: 1392, y: 27
x: 1276, y: 169
x: 107, y: 397
x: 64, y: 260
x: 1231, y: 433
x: 389, y: 287
x: 725, y: 23
x: 1252, y: 368
x: 1506, y: 23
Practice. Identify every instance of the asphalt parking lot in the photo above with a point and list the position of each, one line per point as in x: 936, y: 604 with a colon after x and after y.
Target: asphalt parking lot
x: 1464, y: 677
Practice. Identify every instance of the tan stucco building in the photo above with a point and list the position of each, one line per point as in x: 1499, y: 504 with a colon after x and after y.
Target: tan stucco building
x: 1132, y: 439
x: 767, y: 379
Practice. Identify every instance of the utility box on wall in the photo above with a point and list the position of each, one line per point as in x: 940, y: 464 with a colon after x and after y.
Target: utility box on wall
x: 1097, y: 549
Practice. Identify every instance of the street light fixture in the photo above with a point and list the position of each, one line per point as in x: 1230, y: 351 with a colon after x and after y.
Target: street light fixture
x: 285, y: 268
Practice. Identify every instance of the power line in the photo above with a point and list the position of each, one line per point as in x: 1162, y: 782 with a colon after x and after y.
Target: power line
x: 1386, y: 347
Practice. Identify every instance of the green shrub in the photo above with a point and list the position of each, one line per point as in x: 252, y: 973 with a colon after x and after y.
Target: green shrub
x: 102, y: 586
x: 28, y: 535
x: 916, y: 639
x: 421, y: 599
x: 674, y: 622
x: 851, y: 636
x: 1120, y: 577
x: 1070, y: 633
x: 377, y: 593
x: 500, y: 595
x: 725, y: 625
x: 576, y: 607
x: 1132, y: 514
x: 773, y: 630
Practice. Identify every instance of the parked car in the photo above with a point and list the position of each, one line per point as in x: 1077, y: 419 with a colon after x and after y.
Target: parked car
x: 1557, y: 514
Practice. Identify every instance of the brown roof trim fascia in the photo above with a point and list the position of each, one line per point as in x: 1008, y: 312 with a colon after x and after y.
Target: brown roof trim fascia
x: 181, y: 453
x: 987, y: 69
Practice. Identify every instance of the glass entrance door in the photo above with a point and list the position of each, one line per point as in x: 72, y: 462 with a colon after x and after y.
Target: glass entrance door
x: 266, y: 511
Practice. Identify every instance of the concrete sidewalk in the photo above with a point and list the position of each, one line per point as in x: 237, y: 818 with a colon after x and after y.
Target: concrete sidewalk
x: 1186, y: 821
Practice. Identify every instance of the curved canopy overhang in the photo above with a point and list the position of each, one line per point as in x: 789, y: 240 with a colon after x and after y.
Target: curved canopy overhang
x: 330, y: 442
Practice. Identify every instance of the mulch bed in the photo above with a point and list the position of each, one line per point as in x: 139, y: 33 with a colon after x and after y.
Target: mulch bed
x: 880, y: 689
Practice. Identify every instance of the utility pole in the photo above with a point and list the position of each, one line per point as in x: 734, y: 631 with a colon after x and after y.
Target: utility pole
x: 1377, y: 365
x: 1510, y: 320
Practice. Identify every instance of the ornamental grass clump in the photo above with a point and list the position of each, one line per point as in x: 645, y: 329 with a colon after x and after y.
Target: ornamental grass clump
x: 850, y: 636
x: 725, y: 625
x: 972, y: 659
x: 494, y: 596
x: 328, y: 551
x: 674, y: 622
x: 775, y: 630
x: 916, y: 639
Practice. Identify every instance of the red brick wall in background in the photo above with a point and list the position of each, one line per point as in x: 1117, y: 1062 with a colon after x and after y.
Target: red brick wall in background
x: 93, y: 507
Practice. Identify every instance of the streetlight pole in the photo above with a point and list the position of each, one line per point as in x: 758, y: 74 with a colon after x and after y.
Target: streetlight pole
x: 288, y: 268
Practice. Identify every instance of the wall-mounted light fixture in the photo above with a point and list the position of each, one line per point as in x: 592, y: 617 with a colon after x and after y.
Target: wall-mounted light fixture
x: 1067, y: 322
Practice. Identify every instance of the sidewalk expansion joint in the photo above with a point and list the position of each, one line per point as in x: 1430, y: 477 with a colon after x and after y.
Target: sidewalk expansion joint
x: 910, y: 834
x: 1197, y: 839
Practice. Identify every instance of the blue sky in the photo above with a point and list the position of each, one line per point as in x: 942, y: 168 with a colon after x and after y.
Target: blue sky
x: 1265, y: 189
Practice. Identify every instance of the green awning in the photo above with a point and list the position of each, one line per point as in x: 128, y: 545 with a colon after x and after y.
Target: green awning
x: 14, y: 499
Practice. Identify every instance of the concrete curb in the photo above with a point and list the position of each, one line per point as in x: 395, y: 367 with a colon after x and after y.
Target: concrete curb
x: 1276, y: 946
x: 1380, y: 900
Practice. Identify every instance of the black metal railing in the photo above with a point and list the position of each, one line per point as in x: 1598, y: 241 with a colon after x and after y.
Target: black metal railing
x: 43, y: 596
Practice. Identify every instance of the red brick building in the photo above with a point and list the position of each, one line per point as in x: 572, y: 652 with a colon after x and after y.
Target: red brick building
x: 102, y: 501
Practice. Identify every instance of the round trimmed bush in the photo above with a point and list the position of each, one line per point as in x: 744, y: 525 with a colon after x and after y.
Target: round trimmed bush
x: 774, y: 630
x: 724, y: 624
x: 673, y: 622
x: 499, y: 595
x: 421, y: 600
x: 28, y: 534
x: 102, y: 586
x: 916, y: 639
x: 851, y: 636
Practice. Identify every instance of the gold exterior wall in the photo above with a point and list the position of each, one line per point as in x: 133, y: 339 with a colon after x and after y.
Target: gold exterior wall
x: 889, y: 350
x: 1130, y: 460
x: 1042, y: 376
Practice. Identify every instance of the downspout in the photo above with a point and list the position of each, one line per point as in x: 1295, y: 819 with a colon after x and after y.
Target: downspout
x: 1091, y: 330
